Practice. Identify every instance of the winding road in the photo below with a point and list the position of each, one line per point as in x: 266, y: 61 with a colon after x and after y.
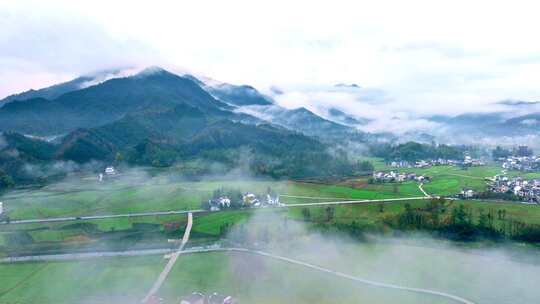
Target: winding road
x: 449, y: 296
x: 177, y: 253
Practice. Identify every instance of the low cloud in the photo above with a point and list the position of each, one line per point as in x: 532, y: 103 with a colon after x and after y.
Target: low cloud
x: 40, y: 47
x: 412, y: 260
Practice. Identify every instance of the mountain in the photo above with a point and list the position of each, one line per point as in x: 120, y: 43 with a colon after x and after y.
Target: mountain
x: 246, y: 99
x: 156, y: 118
x: 303, y: 121
x: 491, y: 124
x: 186, y: 133
x: 57, y: 90
x: 307, y: 122
x: 104, y: 103
x: 344, y: 118
x: 21, y: 158
x: 237, y: 95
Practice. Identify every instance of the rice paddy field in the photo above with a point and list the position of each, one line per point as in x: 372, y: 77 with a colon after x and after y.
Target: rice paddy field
x: 505, y: 278
x: 450, y: 180
x: 80, y: 197
x: 134, y: 192
x: 255, y: 279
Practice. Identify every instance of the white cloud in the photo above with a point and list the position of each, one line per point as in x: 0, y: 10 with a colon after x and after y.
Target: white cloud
x: 419, y: 57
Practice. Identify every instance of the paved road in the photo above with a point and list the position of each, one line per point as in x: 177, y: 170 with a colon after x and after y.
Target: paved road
x: 386, y: 200
x: 317, y: 197
x: 163, y: 276
x: 99, y: 217
x: 452, y: 297
x: 177, y: 253
x: 84, y: 255
x: 157, y: 213
x: 421, y: 187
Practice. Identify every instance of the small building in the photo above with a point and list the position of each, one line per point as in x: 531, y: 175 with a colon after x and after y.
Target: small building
x: 219, y: 203
x: 110, y: 171
x: 194, y: 298
x: 216, y: 298
x: 250, y: 199
x: 467, y: 193
x: 272, y: 201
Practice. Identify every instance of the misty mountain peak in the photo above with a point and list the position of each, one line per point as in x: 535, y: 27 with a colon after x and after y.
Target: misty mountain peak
x: 153, y: 71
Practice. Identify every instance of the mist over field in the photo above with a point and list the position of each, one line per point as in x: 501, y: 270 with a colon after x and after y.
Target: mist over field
x: 234, y: 152
x: 501, y: 273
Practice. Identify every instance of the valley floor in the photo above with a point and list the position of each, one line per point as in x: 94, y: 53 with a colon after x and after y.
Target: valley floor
x: 315, y: 234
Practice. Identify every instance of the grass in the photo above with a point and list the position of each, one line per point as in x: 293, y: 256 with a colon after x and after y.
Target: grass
x: 207, y: 226
x: 118, y: 197
x: 255, y: 279
x: 450, y: 180
x: 92, y: 281
x: 251, y: 279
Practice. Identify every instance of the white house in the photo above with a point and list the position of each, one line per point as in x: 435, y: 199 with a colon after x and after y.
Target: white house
x: 467, y: 193
x: 272, y: 201
x: 110, y: 170
x: 250, y: 199
x: 224, y: 201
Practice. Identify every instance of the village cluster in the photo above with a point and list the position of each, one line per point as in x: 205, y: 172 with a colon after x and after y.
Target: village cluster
x: 468, y: 161
x: 522, y: 163
x: 392, y: 176
x: 248, y: 200
x: 526, y: 190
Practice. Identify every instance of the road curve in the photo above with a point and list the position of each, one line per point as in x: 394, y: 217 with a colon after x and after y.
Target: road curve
x: 60, y: 257
x: 452, y: 297
x: 421, y: 187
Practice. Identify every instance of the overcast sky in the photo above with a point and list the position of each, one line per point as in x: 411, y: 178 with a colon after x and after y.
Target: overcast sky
x: 408, y: 56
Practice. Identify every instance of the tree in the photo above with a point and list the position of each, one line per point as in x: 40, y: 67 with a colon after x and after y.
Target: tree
x: 500, y: 152
x: 5, y: 180
x: 329, y: 213
x: 483, y: 219
x: 381, y: 207
x: 365, y: 166
x: 459, y: 216
x: 306, y: 214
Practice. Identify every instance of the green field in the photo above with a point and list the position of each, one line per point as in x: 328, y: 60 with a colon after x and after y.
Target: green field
x: 254, y: 279
x: 450, y: 180
x: 251, y: 279
x: 79, y: 197
x: 125, y: 233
